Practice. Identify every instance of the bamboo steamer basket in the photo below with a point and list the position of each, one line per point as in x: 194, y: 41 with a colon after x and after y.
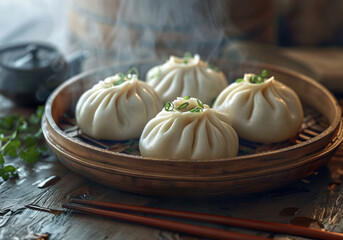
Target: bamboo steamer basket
x: 273, y: 166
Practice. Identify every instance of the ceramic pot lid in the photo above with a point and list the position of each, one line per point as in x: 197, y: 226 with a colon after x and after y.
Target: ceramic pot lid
x: 30, y: 57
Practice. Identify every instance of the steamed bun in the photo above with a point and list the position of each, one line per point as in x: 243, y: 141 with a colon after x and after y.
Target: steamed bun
x: 187, y: 129
x: 261, y: 109
x: 117, y: 108
x: 186, y: 76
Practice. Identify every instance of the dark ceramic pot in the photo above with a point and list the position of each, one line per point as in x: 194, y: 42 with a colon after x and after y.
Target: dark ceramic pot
x: 29, y: 72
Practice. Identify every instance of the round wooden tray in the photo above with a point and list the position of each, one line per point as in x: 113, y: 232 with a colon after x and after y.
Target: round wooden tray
x: 264, y: 167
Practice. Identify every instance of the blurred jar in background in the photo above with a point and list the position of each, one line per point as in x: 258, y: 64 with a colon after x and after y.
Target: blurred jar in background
x: 141, y: 29
x: 310, y: 22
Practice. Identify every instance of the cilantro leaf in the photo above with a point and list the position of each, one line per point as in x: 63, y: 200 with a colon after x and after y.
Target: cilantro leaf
x: 22, y: 125
x: 42, y: 149
x: 40, y: 111
x: 9, y: 122
x: 34, y: 119
x: 2, y: 160
x: 11, y: 148
x: 30, y: 141
x: 22, y: 136
x: 39, y: 134
x: 7, y: 172
x: 30, y: 155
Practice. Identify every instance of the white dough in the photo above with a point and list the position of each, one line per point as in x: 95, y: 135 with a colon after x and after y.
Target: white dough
x: 117, y: 112
x: 194, y: 78
x: 181, y: 134
x: 268, y: 112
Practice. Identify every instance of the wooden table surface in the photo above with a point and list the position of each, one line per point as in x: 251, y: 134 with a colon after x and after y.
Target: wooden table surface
x: 316, y: 201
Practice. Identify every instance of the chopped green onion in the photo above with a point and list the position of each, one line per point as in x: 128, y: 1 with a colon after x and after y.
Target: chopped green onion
x: 156, y: 75
x: 169, y: 106
x: 259, y: 78
x: 131, y: 145
x: 186, y: 57
x: 108, y: 84
x: 200, y: 103
x: 120, y: 81
x: 264, y: 73
x: 253, y: 79
x: 182, y: 106
x: 195, y: 109
x: 129, y: 74
x: 186, y: 97
x: 239, y: 80
x: 212, y: 67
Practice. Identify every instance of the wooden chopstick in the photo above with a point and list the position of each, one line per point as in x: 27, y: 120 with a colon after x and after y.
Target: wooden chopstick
x: 212, y: 233
x: 237, y: 222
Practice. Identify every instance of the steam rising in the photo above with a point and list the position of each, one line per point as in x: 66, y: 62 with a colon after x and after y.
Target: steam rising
x: 121, y: 30
x: 142, y: 29
x: 39, y: 20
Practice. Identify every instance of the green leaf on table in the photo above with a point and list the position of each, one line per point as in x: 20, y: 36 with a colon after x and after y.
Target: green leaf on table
x: 10, y: 168
x: 9, y: 122
x: 22, y: 125
x: 36, y: 117
x: 40, y: 111
x: 2, y: 137
x: 39, y: 133
x: 2, y: 160
x: 30, y: 155
x: 7, y: 172
x: 30, y: 141
x: 14, y: 135
x: 20, y: 136
x: 42, y: 149
x: 11, y: 148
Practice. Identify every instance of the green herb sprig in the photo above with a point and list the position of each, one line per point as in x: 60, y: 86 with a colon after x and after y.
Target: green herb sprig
x: 20, y: 137
x: 129, y: 75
